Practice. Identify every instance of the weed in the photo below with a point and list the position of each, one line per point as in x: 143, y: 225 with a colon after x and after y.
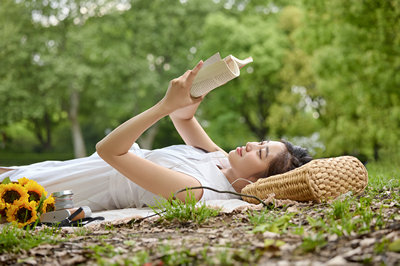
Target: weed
x: 139, y: 258
x: 316, y: 224
x: 186, y: 211
x: 313, y: 242
x: 395, y: 246
x: 103, y: 251
x: 14, y: 239
x: 204, y: 256
x: 109, y: 227
x: 278, y: 225
x: 257, y: 218
x: 176, y: 257
x: 299, y: 230
x: 223, y: 257
x: 82, y: 231
x: 381, y: 247
x: 340, y: 209
x: 350, y: 216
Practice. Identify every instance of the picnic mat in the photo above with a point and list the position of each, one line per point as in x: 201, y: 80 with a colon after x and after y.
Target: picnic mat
x: 130, y: 213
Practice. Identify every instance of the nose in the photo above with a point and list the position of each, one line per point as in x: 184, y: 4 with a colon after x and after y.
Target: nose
x: 249, y: 146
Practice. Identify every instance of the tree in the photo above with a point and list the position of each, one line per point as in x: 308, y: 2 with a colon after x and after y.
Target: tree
x: 239, y: 111
x: 354, y: 51
x: 23, y: 73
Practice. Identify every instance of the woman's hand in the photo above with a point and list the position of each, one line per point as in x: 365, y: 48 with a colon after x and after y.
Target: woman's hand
x: 178, y: 93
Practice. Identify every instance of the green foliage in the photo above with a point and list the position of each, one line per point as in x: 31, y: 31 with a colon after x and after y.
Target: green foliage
x: 6, y: 181
x: 18, y: 158
x: 384, y: 173
x: 171, y: 256
x: 251, y: 96
x: 395, y: 246
x: 353, y: 49
x: 140, y: 258
x: 188, y: 211
x: 326, y: 69
x: 14, y: 239
x: 313, y: 242
x: 273, y: 224
x: 103, y: 251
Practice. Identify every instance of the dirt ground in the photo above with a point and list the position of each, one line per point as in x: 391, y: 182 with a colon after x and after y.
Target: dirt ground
x: 227, y: 239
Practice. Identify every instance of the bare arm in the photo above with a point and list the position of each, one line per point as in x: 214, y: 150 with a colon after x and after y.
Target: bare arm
x: 114, y: 148
x: 190, y: 129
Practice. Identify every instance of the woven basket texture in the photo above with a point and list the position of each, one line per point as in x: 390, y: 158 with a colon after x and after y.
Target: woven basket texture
x: 320, y: 179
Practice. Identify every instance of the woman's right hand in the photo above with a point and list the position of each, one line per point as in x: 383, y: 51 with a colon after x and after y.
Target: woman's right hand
x: 178, y: 93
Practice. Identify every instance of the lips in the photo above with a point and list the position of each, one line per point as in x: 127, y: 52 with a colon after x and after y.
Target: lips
x: 239, y: 150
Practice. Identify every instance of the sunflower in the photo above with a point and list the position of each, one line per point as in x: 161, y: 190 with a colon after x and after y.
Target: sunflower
x: 22, y: 213
x: 35, y: 191
x: 23, y: 181
x: 48, y: 205
x: 12, y: 193
x: 2, y: 211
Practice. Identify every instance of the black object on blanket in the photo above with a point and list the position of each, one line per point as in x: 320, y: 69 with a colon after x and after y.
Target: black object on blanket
x: 69, y: 220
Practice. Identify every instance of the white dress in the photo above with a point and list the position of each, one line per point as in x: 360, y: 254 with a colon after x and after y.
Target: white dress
x: 96, y: 184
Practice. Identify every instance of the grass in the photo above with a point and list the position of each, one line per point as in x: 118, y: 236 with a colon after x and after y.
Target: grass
x: 103, y: 252
x: 189, y: 211
x: 384, y: 174
x: 347, y: 217
x: 25, y: 158
x: 272, y: 223
x: 14, y: 239
x: 344, y: 219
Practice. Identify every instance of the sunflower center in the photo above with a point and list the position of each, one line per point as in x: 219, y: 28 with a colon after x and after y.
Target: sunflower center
x: 10, y: 196
x: 23, y: 215
x: 33, y: 196
x: 50, y: 208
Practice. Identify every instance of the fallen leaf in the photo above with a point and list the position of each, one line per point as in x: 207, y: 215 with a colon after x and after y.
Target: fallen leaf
x: 395, y: 246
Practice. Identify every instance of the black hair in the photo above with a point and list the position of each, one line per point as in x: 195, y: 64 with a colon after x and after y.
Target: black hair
x: 293, y: 157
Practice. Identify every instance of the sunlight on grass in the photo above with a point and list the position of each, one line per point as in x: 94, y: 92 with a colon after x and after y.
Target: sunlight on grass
x: 190, y: 210
x: 383, y: 174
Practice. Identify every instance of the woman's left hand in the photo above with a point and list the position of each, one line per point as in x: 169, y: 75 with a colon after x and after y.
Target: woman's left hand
x: 178, y: 93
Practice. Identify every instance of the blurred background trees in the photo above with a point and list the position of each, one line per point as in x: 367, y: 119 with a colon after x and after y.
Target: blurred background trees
x: 325, y: 74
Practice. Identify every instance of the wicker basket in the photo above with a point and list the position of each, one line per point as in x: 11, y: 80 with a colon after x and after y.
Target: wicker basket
x: 320, y: 179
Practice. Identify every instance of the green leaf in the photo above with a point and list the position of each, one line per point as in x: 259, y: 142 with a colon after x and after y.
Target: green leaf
x: 40, y: 205
x: 6, y: 181
x: 395, y: 246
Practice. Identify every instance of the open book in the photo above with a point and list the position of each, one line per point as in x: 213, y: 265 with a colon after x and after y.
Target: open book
x: 216, y: 72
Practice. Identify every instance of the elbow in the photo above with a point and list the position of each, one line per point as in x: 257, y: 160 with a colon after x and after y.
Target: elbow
x: 105, y: 151
x: 100, y: 149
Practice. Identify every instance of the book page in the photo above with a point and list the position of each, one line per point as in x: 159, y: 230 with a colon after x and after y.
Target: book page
x: 213, y: 59
x: 216, y: 72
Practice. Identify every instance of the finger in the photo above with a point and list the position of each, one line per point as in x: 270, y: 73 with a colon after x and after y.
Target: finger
x: 194, y: 71
x: 186, y: 74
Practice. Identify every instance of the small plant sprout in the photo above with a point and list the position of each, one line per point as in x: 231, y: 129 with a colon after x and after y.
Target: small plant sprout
x: 190, y: 210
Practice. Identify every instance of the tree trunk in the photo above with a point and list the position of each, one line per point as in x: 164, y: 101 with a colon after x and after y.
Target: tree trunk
x: 42, y: 130
x: 77, y: 138
x: 146, y: 140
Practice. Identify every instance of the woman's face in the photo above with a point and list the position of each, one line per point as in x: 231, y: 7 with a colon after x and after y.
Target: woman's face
x: 253, y: 159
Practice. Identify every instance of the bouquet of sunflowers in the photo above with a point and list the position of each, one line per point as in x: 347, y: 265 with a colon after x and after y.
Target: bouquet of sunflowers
x: 22, y: 202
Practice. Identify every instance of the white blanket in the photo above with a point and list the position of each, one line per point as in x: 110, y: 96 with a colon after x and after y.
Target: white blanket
x: 121, y: 214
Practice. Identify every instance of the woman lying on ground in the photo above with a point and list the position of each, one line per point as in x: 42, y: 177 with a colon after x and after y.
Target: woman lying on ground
x: 121, y: 175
